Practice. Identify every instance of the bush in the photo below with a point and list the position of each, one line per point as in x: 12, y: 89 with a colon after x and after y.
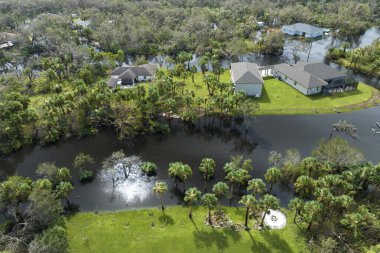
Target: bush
x: 148, y: 168
x: 159, y: 128
x: 86, y: 176
x: 52, y: 240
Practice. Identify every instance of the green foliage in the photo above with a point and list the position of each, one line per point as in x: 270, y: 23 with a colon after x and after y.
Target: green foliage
x: 148, y: 168
x: 52, y: 240
x: 86, y: 176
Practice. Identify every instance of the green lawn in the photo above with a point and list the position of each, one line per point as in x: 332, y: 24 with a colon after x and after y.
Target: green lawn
x: 279, y: 98
x: 146, y: 230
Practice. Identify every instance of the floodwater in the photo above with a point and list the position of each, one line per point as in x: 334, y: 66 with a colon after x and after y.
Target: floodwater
x: 265, y: 133
x: 318, y: 52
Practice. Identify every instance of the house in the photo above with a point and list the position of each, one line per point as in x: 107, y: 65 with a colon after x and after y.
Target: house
x: 301, y: 29
x: 313, y: 78
x: 7, y: 44
x: 246, y: 77
x: 129, y: 75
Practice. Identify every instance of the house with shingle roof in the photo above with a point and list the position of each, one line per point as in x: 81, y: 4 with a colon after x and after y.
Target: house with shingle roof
x: 304, y: 30
x: 129, y: 75
x: 246, y: 77
x: 313, y: 78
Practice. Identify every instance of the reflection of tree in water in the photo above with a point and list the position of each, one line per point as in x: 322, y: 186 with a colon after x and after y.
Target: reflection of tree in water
x: 127, y: 179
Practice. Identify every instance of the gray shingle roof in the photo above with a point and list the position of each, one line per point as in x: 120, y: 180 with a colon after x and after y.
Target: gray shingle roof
x: 246, y: 73
x: 302, y: 27
x: 323, y: 71
x: 119, y: 70
x: 142, y: 70
x: 297, y: 73
x: 128, y: 74
x: 112, y: 82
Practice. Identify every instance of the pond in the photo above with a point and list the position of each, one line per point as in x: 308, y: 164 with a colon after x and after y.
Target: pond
x: 265, y: 133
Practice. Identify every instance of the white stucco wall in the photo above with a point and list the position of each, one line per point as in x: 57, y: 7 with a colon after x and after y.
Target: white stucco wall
x: 250, y: 89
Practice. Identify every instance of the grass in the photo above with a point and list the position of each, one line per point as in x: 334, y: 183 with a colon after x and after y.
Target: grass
x: 279, y: 98
x: 147, y: 230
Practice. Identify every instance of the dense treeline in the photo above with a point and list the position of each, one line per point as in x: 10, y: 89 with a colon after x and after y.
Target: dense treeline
x: 167, y: 27
x: 364, y: 60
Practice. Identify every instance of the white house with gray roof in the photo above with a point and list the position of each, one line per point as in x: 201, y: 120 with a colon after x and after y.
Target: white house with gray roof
x: 301, y: 29
x: 129, y: 75
x: 313, y: 78
x: 246, y: 77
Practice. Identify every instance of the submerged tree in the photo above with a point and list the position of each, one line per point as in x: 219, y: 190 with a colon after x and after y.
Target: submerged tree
x: 207, y: 168
x: 344, y: 127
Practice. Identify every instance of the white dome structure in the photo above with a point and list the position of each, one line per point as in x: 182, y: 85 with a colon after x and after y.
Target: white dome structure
x: 274, y: 219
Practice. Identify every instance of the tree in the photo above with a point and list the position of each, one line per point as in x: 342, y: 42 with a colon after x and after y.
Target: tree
x: 160, y: 188
x: 192, y: 196
x: 238, y: 177
x: 53, y: 173
x: 207, y: 168
x: 220, y: 190
x: 272, y: 176
x: 13, y: 192
x: 304, y: 186
x: 180, y: 171
x: 209, y: 200
x: 81, y: 163
x: 63, y: 189
x: 311, y: 212
x: 344, y: 127
x: 296, y: 205
x: 52, y: 240
x: 256, y: 186
x: 338, y: 152
x: 274, y: 158
x: 249, y: 202
x: 268, y: 202
x: 297, y: 46
x: 118, y: 167
x: 148, y: 168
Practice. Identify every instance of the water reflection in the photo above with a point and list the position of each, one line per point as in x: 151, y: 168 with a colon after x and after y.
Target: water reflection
x: 125, y: 181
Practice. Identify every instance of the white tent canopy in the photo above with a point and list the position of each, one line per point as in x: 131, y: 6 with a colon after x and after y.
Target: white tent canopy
x: 275, y: 219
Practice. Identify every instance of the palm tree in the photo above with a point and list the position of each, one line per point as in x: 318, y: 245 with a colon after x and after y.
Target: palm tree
x: 296, y: 205
x: 268, y: 202
x: 160, y: 188
x: 185, y: 173
x: 312, y: 211
x: 256, y: 186
x: 238, y: 177
x: 220, y: 190
x: 174, y: 171
x: 304, y: 186
x: 207, y: 168
x: 249, y: 202
x: 209, y: 200
x: 192, y: 195
x: 272, y: 176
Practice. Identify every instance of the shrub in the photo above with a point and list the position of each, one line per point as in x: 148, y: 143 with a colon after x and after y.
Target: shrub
x: 86, y: 176
x: 148, y: 168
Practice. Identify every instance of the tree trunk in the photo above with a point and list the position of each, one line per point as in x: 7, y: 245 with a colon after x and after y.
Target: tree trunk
x: 205, y: 184
x: 162, y: 206
x: 270, y: 188
x: 262, y: 220
x: 190, y: 213
x: 209, y: 216
x: 246, y: 217
x: 309, y: 226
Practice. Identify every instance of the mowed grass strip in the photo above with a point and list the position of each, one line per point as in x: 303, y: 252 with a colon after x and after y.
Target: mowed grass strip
x: 147, y: 230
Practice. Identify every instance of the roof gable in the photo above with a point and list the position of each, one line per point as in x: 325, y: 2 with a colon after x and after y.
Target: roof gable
x: 246, y: 73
